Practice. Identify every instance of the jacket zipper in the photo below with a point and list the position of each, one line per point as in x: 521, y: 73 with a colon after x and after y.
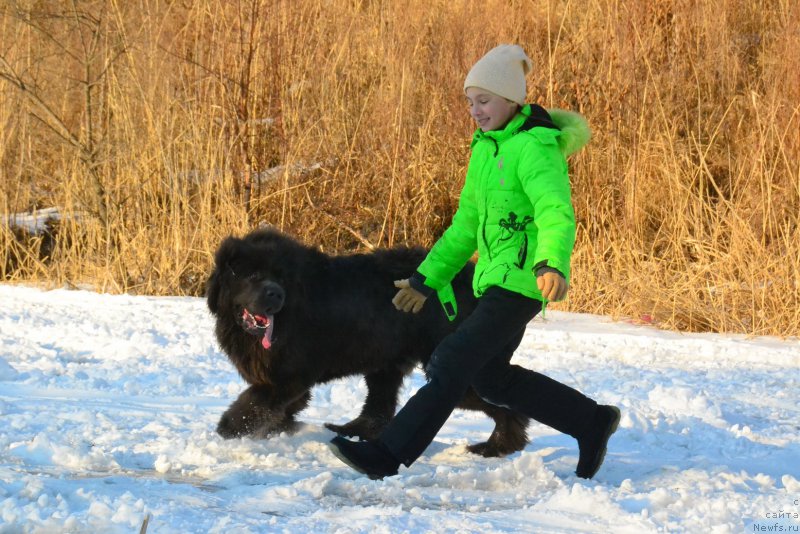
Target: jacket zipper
x: 485, y: 215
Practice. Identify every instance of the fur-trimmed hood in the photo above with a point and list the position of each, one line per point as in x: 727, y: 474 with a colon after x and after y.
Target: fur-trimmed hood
x: 575, y: 131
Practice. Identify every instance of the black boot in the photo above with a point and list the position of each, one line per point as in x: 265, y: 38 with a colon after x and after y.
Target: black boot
x: 366, y: 457
x: 593, y: 445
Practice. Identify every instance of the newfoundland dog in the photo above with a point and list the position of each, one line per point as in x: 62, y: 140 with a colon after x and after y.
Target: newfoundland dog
x: 289, y: 317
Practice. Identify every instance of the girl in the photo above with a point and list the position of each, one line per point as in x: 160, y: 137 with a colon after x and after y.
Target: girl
x: 515, y: 210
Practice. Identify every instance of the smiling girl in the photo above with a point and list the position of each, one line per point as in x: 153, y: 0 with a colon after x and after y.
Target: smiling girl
x: 515, y: 210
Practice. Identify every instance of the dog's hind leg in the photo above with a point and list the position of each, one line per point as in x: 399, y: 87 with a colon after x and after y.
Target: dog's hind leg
x: 509, y: 434
x: 379, y: 406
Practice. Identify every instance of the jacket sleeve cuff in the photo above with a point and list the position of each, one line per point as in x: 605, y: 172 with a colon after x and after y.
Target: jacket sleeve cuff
x: 540, y: 268
x: 417, y: 281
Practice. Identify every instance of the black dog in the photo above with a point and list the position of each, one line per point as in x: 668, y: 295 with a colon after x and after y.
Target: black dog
x: 290, y: 317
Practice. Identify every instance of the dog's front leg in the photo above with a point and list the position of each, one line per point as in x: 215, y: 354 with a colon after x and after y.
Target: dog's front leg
x: 262, y: 411
x: 379, y: 406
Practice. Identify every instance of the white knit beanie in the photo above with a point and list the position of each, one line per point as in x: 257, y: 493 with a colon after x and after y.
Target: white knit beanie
x: 502, y: 71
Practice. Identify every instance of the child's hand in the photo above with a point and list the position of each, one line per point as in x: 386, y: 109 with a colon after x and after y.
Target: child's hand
x: 407, y: 299
x: 552, y: 285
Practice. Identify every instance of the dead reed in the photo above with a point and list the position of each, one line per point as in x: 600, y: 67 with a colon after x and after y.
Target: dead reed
x: 160, y: 127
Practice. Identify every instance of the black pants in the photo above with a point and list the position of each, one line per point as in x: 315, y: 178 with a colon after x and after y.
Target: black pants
x: 478, y: 354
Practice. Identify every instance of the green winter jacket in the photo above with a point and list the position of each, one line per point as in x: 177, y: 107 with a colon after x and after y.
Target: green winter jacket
x: 515, y: 208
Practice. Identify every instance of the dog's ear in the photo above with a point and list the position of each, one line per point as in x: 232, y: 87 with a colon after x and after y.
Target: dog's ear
x: 213, y: 287
x: 227, y: 252
x: 223, y: 258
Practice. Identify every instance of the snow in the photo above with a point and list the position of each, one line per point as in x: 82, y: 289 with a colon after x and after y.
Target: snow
x: 34, y: 222
x: 108, y: 406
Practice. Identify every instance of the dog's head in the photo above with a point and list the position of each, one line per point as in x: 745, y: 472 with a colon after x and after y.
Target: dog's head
x: 246, y: 284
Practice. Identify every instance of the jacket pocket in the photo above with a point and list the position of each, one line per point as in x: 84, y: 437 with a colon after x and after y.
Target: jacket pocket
x: 495, y: 274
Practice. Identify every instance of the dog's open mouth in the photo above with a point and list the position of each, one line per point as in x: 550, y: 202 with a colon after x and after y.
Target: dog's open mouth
x: 259, y: 326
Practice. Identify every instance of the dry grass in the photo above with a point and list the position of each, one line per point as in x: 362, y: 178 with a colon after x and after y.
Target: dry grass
x: 161, y: 127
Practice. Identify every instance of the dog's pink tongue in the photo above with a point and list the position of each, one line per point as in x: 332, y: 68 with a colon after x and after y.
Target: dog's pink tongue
x: 266, y: 341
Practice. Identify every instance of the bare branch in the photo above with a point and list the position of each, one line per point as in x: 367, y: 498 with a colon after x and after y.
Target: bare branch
x: 46, y: 114
x: 26, y: 18
x: 75, y: 14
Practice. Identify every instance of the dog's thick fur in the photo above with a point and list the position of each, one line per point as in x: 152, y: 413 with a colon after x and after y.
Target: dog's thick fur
x: 333, y: 317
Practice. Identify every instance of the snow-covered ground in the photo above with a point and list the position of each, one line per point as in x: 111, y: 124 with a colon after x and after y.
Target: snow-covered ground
x: 108, y: 406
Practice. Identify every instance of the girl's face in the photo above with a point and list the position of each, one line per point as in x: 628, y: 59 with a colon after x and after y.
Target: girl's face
x: 490, y: 111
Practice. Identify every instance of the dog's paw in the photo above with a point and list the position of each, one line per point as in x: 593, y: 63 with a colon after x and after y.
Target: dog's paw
x: 230, y: 430
x: 259, y: 424
x: 361, y: 427
x: 485, y: 449
x: 344, y: 430
x: 491, y: 449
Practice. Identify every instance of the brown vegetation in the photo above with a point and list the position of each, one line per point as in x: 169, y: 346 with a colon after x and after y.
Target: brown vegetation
x: 159, y: 127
